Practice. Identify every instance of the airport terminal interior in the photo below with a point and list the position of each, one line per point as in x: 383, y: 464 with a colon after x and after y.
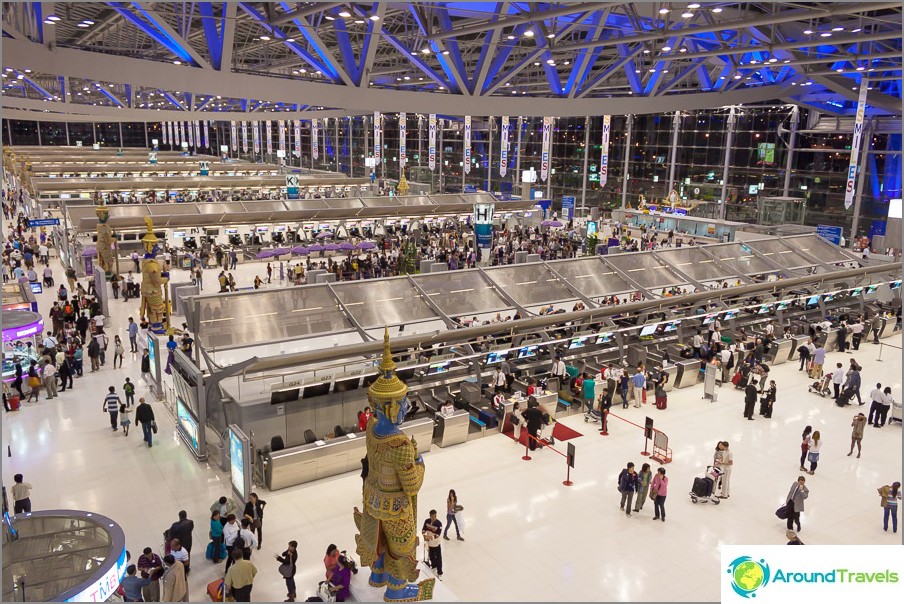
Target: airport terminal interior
x: 332, y: 262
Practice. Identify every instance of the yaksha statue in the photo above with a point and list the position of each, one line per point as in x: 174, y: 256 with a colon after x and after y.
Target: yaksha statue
x: 387, y: 533
x: 104, y: 239
x: 153, y: 280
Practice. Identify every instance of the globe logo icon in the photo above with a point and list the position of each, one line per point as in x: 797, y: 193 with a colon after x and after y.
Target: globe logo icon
x: 748, y: 575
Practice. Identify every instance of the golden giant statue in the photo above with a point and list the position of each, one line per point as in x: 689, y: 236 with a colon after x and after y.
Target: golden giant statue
x: 104, y: 239
x: 153, y: 280
x: 387, y: 536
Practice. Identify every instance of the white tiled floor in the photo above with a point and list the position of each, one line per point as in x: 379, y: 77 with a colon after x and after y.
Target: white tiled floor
x: 528, y: 536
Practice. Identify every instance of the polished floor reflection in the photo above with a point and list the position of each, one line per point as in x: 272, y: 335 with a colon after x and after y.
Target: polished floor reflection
x: 528, y: 537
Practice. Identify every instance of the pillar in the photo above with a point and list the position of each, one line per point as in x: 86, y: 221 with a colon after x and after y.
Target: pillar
x: 490, y: 123
x: 586, y: 164
x: 789, y: 162
x: 673, y: 153
x: 732, y: 117
x: 626, y: 164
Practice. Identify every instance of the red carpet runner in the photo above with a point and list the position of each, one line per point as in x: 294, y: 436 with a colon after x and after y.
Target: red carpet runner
x: 559, y: 432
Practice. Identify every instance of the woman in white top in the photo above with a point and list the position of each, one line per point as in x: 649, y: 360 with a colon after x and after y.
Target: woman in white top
x: 727, y: 463
x: 813, y: 451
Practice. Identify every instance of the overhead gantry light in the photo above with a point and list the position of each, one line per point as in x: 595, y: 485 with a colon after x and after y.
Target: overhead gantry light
x: 529, y: 33
x: 344, y: 14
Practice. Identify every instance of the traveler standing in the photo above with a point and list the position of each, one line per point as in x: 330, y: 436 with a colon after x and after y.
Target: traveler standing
x: 852, y: 384
x: 533, y: 417
x: 150, y: 565
x: 750, y: 393
x: 21, y: 493
x: 182, y: 530
x: 144, y: 415
x: 111, y: 406
x: 660, y: 489
x: 886, y: 403
x: 288, y: 562
x: 452, y: 508
x: 837, y: 379
x: 726, y: 464
x: 627, y: 486
x: 240, y: 578
x: 804, y: 446
x: 857, y: 433
x: 133, y: 334
x: 640, y: 383
x: 890, y: 496
x: 876, y: 404
x: 813, y: 451
x: 216, y: 547
x: 118, y: 351
x: 795, y: 502
x: 819, y: 358
x: 644, y: 477
x: 50, y: 380
x: 805, y: 352
x: 431, y: 531
x: 230, y: 533
x: 254, y: 512
x: 174, y: 587
x: 132, y: 585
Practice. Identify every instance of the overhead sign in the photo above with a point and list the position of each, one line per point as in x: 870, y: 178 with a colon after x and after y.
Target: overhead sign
x: 205, y: 167
x: 604, y: 160
x: 568, y: 206
x: 292, y: 186
x: 403, y: 134
x: 431, y: 158
x: 152, y: 157
x: 544, y: 157
x: 855, y: 147
x: 503, y: 157
x: 829, y: 233
x: 43, y: 222
x: 467, y: 154
x: 483, y: 224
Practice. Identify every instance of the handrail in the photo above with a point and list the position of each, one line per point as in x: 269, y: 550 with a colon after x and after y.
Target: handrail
x: 366, y: 349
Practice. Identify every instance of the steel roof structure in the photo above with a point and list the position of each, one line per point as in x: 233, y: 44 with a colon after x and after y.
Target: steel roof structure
x: 152, y: 61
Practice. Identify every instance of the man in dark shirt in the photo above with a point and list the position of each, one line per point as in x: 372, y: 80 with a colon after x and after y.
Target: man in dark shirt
x: 431, y: 531
x: 605, y: 405
x: 182, y: 530
x: 533, y: 416
x: 750, y: 394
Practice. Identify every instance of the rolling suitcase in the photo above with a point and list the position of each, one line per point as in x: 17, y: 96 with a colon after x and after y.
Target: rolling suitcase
x: 216, y: 590
x: 844, y: 397
x: 703, y: 487
x: 13, y: 402
x: 662, y: 400
x: 736, y: 378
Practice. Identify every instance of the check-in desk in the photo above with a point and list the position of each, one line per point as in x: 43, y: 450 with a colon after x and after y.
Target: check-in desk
x: 452, y: 429
x: 779, y: 351
x: 831, y: 336
x: 688, y: 372
x: 671, y: 373
x: 886, y: 326
x: 797, y: 342
x: 309, y: 462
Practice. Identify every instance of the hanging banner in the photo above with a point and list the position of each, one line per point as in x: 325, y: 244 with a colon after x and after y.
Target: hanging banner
x: 378, y: 145
x: 255, y: 136
x: 282, y: 135
x: 182, y: 138
x: 403, y: 151
x: 604, y: 159
x: 206, y: 133
x: 544, y: 156
x: 315, y: 138
x: 298, y: 138
x: 191, y: 135
x: 163, y: 133
x: 198, y: 133
x: 268, y: 129
x: 432, y: 150
x: 244, y: 137
x: 172, y: 133
x: 855, y: 147
x: 467, y: 152
x: 234, y: 137
x: 503, y: 152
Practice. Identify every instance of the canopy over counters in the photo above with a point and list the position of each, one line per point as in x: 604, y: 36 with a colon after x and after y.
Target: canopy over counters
x: 664, y: 221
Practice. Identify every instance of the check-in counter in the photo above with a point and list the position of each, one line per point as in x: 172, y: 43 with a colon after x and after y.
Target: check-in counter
x: 688, y: 372
x: 309, y: 462
x: 452, y: 429
x: 831, y: 339
x: 672, y: 373
x: 549, y: 402
x: 779, y: 351
x: 886, y: 326
x: 797, y: 342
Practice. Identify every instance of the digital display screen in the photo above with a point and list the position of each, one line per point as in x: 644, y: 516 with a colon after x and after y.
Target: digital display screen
x: 263, y: 229
x: 435, y: 368
x: 36, y: 287
x: 178, y: 234
x: 232, y: 231
x: 765, y: 308
x: 279, y: 397
x: 708, y: 319
x: 237, y: 464
x: 813, y: 301
x: 782, y: 305
x: 187, y: 424
x: 894, y: 284
x: 856, y: 291
x: 828, y: 297
x: 671, y: 326
x: 315, y: 390
x: 730, y: 314
x: 279, y: 228
x: 405, y: 374
x: 527, y: 351
x: 578, y: 342
x: 495, y: 357
x: 648, y: 330
x: 367, y: 380
x: 347, y: 384
x: 871, y: 289
x: 604, y: 337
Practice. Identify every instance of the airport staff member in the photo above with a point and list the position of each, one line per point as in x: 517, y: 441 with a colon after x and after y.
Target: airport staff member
x: 499, y: 381
x: 558, y: 369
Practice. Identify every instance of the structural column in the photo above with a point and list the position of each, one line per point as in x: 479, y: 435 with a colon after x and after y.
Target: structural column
x: 552, y: 145
x: 439, y: 153
x: 586, y: 164
x: 792, y: 141
x: 490, y: 123
x: 420, y: 138
x: 517, y: 178
x: 861, y: 177
x: 676, y: 124
x: 728, y: 143
x: 626, y: 162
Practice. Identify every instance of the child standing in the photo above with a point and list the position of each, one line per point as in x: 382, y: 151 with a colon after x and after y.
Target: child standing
x: 124, y: 420
x: 129, y: 389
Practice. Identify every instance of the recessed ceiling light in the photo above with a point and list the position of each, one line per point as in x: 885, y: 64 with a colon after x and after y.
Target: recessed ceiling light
x: 861, y: 68
x: 508, y: 83
x: 536, y: 62
x: 652, y: 70
x: 344, y: 14
x: 682, y: 49
x: 737, y: 77
x: 687, y: 15
x: 425, y: 51
x: 567, y: 62
x: 773, y: 60
x: 808, y: 32
x: 514, y: 92
x: 786, y: 61
x: 856, y: 30
x: 406, y: 78
x: 550, y: 35
x: 302, y: 70
x: 398, y: 79
x: 48, y: 21
x: 290, y: 40
x: 294, y: 72
x: 825, y: 34
x: 53, y: 18
x: 838, y: 28
x: 375, y: 17
x: 445, y: 52
x: 665, y: 71
x: 551, y: 61
x: 20, y: 76
x: 646, y: 51
x: 9, y: 69
x: 420, y: 79
x: 529, y: 33
x: 82, y: 25
x: 636, y: 71
x: 359, y: 21
x: 718, y: 9
x: 666, y: 48
x: 265, y: 38
x: 510, y: 37
x: 663, y: 11
x: 27, y: 70
x: 329, y: 17
x: 177, y: 62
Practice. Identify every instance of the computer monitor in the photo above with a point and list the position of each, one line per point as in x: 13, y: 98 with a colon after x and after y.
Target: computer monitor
x: 232, y: 231
x: 604, y: 337
x: 709, y: 319
x: 344, y: 385
x: 856, y: 291
x: 813, y: 301
x: 894, y: 284
x: 435, y: 368
x: 313, y: 390
x: 648, y: 330
x: 578, y: 342
x: 671, y: 326
x: 527, y: 351
x: 405, y: 374
x: 367, y: 380
x: 495, y: 357
x: 782, y: 306
x: 871, y: 289
x: 279, y: 397
x: 730, y: 314
x: 764, y: 309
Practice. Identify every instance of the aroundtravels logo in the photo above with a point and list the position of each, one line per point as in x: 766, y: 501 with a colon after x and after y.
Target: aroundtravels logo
x: 748, y: 575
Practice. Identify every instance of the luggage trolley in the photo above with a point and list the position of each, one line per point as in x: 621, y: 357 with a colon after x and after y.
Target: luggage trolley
x: 704, y: 487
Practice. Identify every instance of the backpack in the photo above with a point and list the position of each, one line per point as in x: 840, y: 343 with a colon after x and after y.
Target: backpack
x: 129, y: 388
x: 239, y: 541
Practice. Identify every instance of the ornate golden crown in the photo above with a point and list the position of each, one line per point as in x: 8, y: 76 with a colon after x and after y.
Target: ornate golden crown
x: 388, y: 390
